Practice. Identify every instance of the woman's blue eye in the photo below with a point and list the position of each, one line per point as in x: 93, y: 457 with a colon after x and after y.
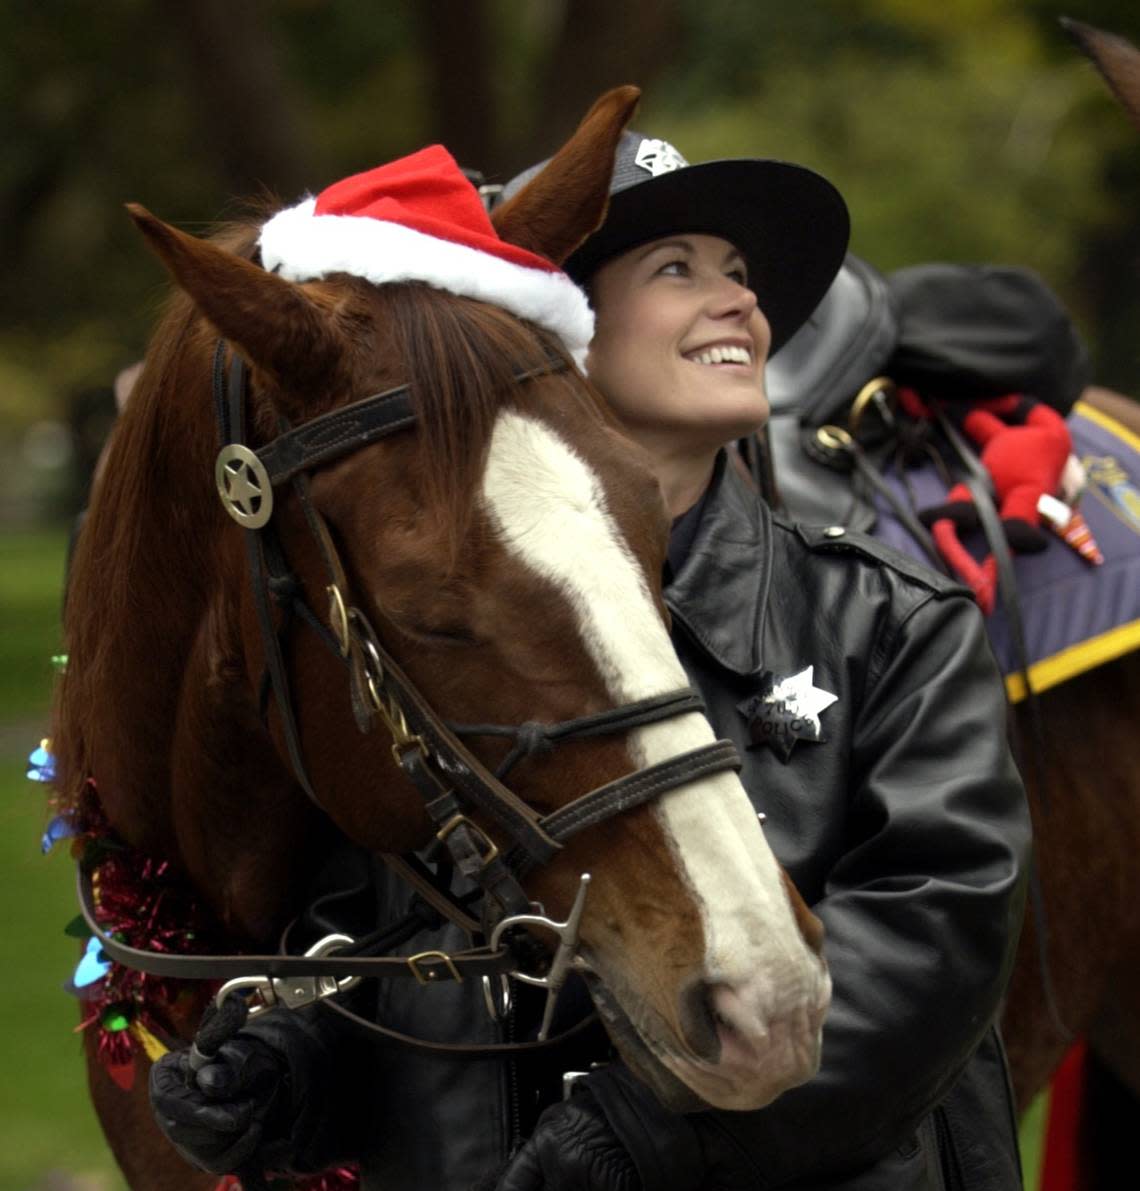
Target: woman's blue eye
x: 739, y: 275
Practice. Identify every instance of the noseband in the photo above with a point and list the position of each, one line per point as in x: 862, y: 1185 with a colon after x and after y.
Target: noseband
x: 451, y: 780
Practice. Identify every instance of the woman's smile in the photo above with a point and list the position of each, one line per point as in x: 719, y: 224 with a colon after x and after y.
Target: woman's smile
x: 729, y: 352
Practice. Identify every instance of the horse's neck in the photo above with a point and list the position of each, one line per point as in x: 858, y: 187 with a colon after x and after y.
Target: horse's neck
x: 158, y: 707
x: 1124, y: 409
x: 246, y: 836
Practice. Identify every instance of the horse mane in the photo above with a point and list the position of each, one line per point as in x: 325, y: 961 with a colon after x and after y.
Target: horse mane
x: 116, y: 543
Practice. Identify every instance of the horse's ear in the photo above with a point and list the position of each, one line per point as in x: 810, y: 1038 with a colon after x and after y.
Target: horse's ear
x: 567, y: 200
x: 270, y: 319
x: 1116, y: 58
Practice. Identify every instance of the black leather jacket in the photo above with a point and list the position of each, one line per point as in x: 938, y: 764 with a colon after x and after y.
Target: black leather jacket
x: 905, y: 828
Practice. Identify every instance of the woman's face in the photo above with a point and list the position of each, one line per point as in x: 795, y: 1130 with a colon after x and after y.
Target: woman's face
x: 680, y: 344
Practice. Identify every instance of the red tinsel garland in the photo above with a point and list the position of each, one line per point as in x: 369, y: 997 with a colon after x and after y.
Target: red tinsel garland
x: 143, y: 902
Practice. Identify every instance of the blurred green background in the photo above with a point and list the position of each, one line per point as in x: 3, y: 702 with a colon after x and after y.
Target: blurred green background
x: 964, y: 130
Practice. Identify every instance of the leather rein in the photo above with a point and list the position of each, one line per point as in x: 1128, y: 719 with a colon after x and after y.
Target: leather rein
x: 452, y: 782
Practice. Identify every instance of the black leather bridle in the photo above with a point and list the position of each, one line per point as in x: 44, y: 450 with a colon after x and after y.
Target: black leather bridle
x: 452, y: 782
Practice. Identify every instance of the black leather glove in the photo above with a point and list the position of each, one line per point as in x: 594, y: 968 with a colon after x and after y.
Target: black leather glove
x: 573, y: 1148
x: 222, y: 1116
x: 611, y: 1135
x: 254, y: 1105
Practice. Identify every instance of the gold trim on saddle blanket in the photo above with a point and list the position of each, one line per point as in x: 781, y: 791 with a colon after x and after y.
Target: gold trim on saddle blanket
x: 1109, y: 423
x: 1076, y: 659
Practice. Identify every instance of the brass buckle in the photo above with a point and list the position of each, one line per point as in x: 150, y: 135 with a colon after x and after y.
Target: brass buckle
x: 338, y: 618
x: 492, y: 849
x: 386, y: 706
x: 414, y: 961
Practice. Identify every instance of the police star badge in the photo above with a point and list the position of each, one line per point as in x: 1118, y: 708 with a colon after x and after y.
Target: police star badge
x: 786, y: 710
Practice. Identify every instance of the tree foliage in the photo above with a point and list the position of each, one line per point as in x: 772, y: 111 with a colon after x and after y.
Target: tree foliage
x: 963, y: 131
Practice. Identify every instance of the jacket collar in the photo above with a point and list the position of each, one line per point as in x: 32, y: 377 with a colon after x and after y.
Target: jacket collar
x: 720, y: 593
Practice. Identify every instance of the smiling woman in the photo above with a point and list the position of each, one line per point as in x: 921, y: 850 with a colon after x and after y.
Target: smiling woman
x: 866, y: 705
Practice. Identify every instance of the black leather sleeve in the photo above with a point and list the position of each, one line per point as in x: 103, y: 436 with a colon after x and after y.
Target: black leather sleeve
x: 324, y: 1083
x: 664, y: 1147
x: 922, y: 911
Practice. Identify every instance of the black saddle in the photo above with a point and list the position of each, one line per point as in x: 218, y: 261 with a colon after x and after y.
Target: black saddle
x: 814, y: 381
x: 956, y: 333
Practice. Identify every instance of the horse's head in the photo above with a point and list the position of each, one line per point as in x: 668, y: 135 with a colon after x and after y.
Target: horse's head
x: 508, y: 551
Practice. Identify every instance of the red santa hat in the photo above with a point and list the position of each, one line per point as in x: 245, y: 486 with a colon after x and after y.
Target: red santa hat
x: 420, y: 219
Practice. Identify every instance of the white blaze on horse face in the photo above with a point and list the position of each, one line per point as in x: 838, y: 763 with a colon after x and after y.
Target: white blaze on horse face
x: 770, y: 990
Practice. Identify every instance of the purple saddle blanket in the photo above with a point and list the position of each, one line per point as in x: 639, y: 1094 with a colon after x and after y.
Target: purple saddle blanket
x: 1075, y: 616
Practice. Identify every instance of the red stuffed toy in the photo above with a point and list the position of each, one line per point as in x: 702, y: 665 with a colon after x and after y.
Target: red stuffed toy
x: 1025, y: 446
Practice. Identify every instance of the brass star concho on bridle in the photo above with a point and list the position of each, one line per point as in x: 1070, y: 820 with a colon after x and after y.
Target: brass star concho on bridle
x: 786, y: 710
x: 244, y: 486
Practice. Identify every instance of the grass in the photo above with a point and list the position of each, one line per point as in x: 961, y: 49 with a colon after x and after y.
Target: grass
x: 47, y: 1128
x: 48, y: 1132
x: 1032, y: 1136
x: 31, y: 580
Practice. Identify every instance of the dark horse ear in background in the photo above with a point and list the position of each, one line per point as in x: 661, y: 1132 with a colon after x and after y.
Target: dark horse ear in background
x: 271, y: 320
x: 567, y: 200
x: 1116, y: 58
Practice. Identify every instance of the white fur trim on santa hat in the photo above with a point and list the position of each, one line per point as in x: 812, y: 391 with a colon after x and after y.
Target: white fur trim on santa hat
x: 302, y: 246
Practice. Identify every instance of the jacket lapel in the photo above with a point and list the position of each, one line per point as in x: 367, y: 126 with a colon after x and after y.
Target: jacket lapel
x: 720, y: 594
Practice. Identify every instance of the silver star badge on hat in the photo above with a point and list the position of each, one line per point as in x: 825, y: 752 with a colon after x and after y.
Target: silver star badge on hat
x: 658, y: 157
x: 786, y: 710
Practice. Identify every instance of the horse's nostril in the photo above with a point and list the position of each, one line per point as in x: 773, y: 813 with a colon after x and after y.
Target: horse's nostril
x: 699, y: 1020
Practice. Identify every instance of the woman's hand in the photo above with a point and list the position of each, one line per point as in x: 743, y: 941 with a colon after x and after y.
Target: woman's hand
x: 573, y: 1148
x: 221, y: 1117
x: 272, y: 1095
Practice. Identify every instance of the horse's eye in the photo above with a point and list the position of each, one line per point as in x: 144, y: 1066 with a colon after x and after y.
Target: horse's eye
x: 446, y: 634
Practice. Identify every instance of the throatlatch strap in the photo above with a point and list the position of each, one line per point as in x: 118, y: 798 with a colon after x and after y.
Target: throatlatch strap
x: 411, y: 869
x: 259, y: 572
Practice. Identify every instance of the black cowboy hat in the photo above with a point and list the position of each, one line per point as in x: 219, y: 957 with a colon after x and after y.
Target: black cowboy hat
x: 790, y: 223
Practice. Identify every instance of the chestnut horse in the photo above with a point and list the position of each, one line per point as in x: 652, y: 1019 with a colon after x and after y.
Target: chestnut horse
x: 1085, y: 797
x: 508, y: 550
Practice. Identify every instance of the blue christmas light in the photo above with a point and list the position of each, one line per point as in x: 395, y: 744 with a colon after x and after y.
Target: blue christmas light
x: 61, y: 827
x: 41, y: 764
x: 93, y: 966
